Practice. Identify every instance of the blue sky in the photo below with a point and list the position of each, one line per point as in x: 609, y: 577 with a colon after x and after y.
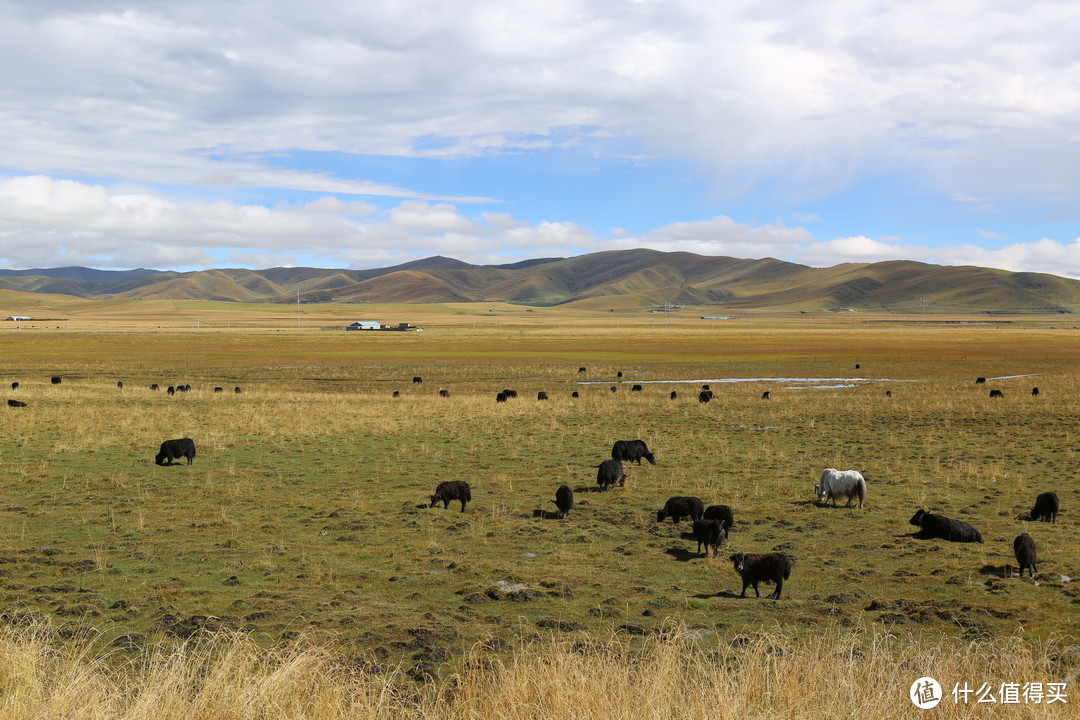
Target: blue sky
x: 259, y: 133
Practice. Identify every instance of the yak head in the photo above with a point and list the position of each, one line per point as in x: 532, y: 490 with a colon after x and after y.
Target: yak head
x: 739, y: 559
x: 650, y: 457
x: 660, y: 515
x: 916, y: 519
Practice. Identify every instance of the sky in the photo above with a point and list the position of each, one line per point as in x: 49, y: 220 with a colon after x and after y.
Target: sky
x: 336, y: 133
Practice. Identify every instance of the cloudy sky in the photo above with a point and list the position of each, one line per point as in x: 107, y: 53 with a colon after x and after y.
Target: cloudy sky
x: 338, y: 133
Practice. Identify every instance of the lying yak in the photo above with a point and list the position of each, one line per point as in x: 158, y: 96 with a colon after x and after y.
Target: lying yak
x: 174, y: 450
x: 632, y: 451
x: 451, y: 490
x: 832, y: 484
x: 610, y: 473
x: 1046, y: 507
x: 679, y: 507
x: 721, y: 514
x: 707, y: 533
x: 1024, y: 549
x: 769, y: 568
x: 939, y: 527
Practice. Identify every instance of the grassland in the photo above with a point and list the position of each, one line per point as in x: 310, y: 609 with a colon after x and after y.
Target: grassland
x: 305, y: 513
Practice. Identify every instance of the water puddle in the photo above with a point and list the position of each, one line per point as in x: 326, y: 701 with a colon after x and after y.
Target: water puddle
x: 509, y: 587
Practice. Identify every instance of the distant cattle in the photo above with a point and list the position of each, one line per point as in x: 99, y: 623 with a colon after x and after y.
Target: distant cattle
x: 766, y: 395
x: 418, y: 379
x: 679, y: 507
x: 609, y: 473
x: 444, y: 393
x: 1026, y: 555
x: 15, y: 403
x: 174, y: 450
x: 1034, y: 391
x: 575, y: 394
x: 541, y: 395
x: 635, y: 388
x: 768, y: 568
x: 614, y: 388
x: 996, y: 393
x: 396, y: 393
x: 674, y: 395
x: 618, y: 374
x: 888, y: 393
x: 510, y: 393
x: 451, y: 490
x: 236, y: 389
x: 857, y: 366
x: 120, y: 384
x: 501, y: 397
x: 632, y: 451
x: 15, y: 386
x: 980, y: 380
x: 832, y: 484
x: 170, y: 390
x: 707, y: 533
x: 705, y: 396
x: 1046, y: 507
x: 56, y: 380
x: 721, y: 514
x: 939, y: 527
x: 581, y: 369
x: 185, y: 388
x: 154, y: 386
x: 564, y: 499
x: 219, y: 389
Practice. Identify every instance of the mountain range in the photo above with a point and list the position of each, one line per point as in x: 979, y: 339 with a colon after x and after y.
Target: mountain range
x: 620, y: 278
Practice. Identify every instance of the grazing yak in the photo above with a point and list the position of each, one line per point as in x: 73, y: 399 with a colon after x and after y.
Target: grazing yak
x: 769, y: 568
x: 541, y: 395
x: 705, y: 396
x: 236, y: 389
x: 707, y: 533
x: 120, y: 384
x: 632, y: 451
x: 635, y: 388
x: 219, y: 389
x: 575, y: 394
x: 501, y: 397
x: 451, y: 490
x: 154, y: 386
x: 939, y: 527
x: 996, y: 393
x: 15, y: 403
x: 980, y: 380
x: 564, y: 499
x: 418, y: 379
x: 1024, y: 550
x: 721, y: 514
x: 396, y: 393
x: 767, y: 395
x: 618, y: 374
x: 679, y: 507
x: 1046, y: 507
x: 840, y: 483
x: 614, y: 388
x: 170, y: 390
x: 444, y: 393
x: 56, y: 380
x: 174, y: 450
x: 1034, y: 391
x: 15, y: 385
x: 888, y: 393
x: 581, y: 369
x: 510, y: 393
x: 610, y: 473
x: 674, y: 395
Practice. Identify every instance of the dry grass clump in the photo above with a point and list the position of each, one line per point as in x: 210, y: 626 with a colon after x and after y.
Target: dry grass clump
x: 839, y: 673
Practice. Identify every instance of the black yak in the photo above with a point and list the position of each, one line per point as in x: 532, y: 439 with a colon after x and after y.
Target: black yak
x: 170, y: 390
x: 674, y: 395
x: 15, y: 403
x: 707, y: 533
x: 236, y: 389
x: 575, y: 394
x: 510, y: 393
x: 581, y: 369
x: 614, y: 388
x: 705, y: 396
x: 396, y: 393
x: 15, y: 385
x: 154, y: 386
x: 939, y: 527
x: 635, y: 388
x: 501, y: 397
x: 610, y: 473
x: 1046, y: 507
x: 564, y: 499
x: 767, y: 395
x: 996, y: 394
x: 219, y: 389
x: 120, y: 384
x: 444, y: 393
x: 541, y: 395
x: 451, y: 490
x: 769, y: 568
x: 679, y: 507
x: 1034, y: 391
x: 721, y: 514
x: 418, y: 379
x: 174, y: 450
x: 56, y: 380
x: 632, y: 451
x: 1024, y: 550
x: 980, y: 380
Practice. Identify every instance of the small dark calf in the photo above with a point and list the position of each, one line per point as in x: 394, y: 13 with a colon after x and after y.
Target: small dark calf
x: 721, y: 514
x: 451, y: 490
x: 541, y: 395
x: 996, y: 393
x: 939, y: 527
x: 609, y: 473
x: 705, y: 396
x: 174, y: 450
x: 1026, y: 556
x: 679, y: 507
x: 15, y: 403
x: 444, y: 393
x: 632, y: 451
x: 564, y: 499
x: 56, y: 380
x: 707, y: 533
x: 769, y: 568
x: 1046, y: 507
x: 418, y: 379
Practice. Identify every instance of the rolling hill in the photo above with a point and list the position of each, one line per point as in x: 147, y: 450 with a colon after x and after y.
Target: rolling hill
x: 638, y: 277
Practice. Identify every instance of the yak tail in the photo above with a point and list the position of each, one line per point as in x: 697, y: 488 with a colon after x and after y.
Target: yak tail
x: 860, y: 489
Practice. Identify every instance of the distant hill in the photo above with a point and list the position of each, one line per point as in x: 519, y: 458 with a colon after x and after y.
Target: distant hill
x: 622, y: 278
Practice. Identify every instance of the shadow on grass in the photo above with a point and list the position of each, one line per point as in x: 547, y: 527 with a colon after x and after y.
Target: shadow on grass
x: 682, y: 555
x: 721, y: 594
